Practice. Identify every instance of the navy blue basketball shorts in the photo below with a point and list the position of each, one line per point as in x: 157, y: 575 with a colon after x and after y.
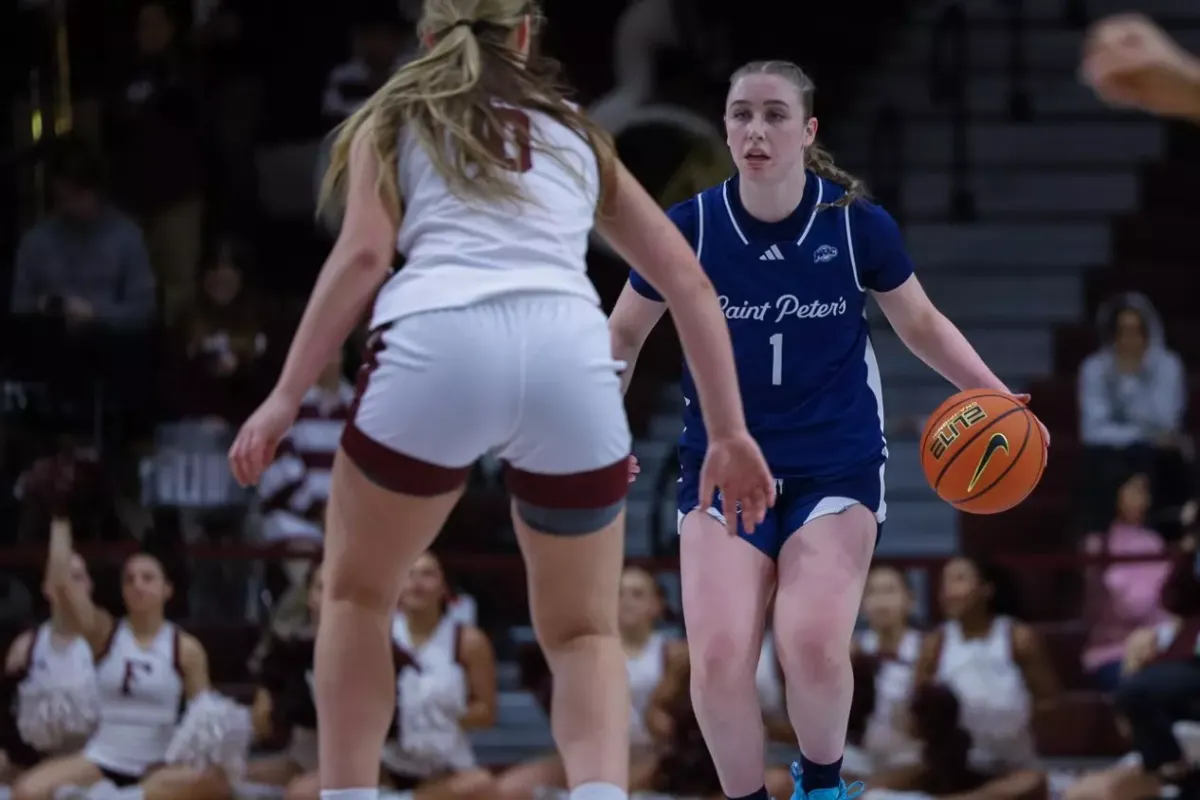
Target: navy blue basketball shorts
x: 798, y: 501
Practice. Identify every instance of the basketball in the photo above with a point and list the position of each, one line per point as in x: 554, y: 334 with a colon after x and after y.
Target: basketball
x: 983, y: 451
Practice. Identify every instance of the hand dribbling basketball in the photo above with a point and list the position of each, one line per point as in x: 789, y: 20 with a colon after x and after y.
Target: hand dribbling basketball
x: 1131, y: 62
x: 735, y: 465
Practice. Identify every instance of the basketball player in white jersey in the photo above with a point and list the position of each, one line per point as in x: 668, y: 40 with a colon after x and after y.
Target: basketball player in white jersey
x: 146, y: 668
x: 490, y: 339
x: 1132, y: 63
x: 449, y: 690
x: 48, y: 659
x: 649, y: 652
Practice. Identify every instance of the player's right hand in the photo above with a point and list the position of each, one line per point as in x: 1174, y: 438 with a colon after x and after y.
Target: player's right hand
x: 255, y: 445
x: 735, y: 466
x: 634, y: 468
x: 1131, y: 62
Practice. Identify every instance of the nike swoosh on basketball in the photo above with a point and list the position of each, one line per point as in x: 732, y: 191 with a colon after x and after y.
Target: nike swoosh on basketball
x: 997, y: 442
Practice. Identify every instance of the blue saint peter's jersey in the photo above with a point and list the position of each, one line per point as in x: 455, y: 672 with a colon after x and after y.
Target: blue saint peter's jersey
x: 794, y: 294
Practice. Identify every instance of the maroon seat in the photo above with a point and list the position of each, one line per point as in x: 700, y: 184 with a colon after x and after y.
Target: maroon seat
x: 1165, y: 237
x: 1042, y: 524
x: 1171, y: 186
x: 1081, y: 724
x: 229, y: 647
x: 473, y: 524
x: 1063, y: 643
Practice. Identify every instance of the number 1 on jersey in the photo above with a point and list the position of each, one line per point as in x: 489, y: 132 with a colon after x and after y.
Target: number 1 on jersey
x: 776, y: 341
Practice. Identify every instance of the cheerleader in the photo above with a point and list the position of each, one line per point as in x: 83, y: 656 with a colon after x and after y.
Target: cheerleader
x: 651, y: 657
x: 890, y: 638
x: 995, y: 666
x: 49, y: 702
x: 146, y: 669
x: 449, y: 690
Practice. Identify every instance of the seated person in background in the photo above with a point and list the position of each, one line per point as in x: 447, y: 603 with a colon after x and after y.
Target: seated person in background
x: 1132, y: 398
x: 652, y: 657
x: 891, y: 639
x: 449, y: 691
x: 1171, y: 640
x: 945, y: 768
x: 146, y: 667
x: 995, y: 666
x: 48, y: 700
x: 1123, y: 597
x: 86, y: 262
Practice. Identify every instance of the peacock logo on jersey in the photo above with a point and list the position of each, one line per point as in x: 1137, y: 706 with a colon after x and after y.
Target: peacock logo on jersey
x: 786, y: 305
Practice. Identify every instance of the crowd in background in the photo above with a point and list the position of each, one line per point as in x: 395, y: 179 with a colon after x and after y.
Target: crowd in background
x: 161, y: 317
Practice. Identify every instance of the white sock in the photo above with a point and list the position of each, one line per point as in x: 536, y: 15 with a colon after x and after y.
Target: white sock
x: 597, y: 791
x: 350, y: 794
x: 388, y: 794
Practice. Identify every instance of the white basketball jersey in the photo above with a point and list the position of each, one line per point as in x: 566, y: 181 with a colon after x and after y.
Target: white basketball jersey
x: 461, y: 251
x: 766, y: 679
x: 995, y: 702
x: 141, y: 697
x: 886, y: 739
x: 439, y: 651
x: 645, y: 672
x: 53, y: 662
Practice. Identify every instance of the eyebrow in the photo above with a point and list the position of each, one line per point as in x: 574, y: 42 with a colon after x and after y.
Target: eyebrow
x: 782, y: 103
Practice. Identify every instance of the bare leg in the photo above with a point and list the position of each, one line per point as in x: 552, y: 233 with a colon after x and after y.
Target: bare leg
x: 726, y: 586
x: 372, y: 536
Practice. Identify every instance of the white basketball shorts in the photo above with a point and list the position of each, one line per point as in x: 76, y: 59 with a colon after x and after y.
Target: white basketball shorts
x: 528, y: 377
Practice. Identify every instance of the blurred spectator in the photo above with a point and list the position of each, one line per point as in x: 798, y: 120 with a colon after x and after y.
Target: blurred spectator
x: 234, y: 100
x: 225, y: 340
x: 1167, y: 690
x: 1122, y: 597
x: 85, y: 262
x: 1131, y: 403
x: 154, y: 131
x: 295, y: 488
x: 378, y: 46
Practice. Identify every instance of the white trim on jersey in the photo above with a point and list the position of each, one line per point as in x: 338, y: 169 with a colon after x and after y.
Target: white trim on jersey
x: 853, y: 260
x: 773, y: 254
x: 816, y: 206
x: 732, y: 218
x: 700, y: 225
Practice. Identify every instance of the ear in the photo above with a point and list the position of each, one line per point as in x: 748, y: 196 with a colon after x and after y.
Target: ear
x: 810, y: 131
x: 524, y: 33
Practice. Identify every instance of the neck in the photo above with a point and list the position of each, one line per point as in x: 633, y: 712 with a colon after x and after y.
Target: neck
x: 58, y: 625
x: 636, y: 638
x: 975, y: 623
x: 423, y: 622
x: 145, y: 623
x: 890, y: 636
x: 330, y: 384
x: 772, y: 202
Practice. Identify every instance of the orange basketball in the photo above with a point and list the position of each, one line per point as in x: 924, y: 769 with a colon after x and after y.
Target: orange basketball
x: 983, y: 451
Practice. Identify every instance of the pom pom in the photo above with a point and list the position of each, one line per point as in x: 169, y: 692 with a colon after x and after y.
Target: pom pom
x: 57, y: 711
x: 215, y: 732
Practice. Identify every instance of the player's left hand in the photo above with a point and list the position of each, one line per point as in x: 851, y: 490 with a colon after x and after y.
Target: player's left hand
x: 1131, y: 62
x: 634, y: 468
x: 255, y: 445
x: 1024, y: 398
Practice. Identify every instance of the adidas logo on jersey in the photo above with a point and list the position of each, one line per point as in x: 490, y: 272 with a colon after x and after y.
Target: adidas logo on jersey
x: 773, y: 254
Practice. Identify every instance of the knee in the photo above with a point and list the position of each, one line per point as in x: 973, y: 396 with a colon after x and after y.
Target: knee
x: 722, y: 658
x: 815, y: 652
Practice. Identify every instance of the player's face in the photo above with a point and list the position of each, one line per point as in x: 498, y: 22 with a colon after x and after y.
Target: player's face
x: 316, y: 588
x: 144, y: 585
x: 886, y: 600
x: 639, y: 602
x: 963, y: 589
x: 426, y: 586
x: 766, y: 127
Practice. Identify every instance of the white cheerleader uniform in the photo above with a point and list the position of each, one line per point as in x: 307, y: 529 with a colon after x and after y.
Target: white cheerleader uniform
x: 645, y: 670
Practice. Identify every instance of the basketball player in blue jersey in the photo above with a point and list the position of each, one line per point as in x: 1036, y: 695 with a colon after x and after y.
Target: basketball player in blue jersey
x: 793, y: 249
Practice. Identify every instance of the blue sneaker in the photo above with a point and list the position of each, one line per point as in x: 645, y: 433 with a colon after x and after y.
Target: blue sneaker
x: 842, y: 792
